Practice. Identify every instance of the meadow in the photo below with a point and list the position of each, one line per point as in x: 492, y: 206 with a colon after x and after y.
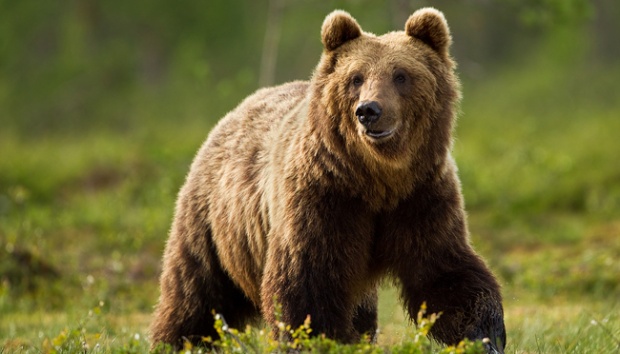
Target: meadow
x: 84, y: 212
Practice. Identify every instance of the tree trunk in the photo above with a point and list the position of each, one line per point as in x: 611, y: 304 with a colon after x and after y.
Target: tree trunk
x: 270, y: 46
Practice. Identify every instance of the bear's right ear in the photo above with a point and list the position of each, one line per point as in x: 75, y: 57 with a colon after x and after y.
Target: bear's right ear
x: 338, y: 28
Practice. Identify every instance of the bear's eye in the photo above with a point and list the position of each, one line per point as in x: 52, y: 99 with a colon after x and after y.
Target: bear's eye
x: 357, y: 80
x: 400, y: 78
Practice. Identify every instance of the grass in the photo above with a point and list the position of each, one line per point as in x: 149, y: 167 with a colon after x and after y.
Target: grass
x: 84, y: 217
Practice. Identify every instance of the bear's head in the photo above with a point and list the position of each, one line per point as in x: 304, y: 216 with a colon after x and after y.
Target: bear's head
x: 389, y: 98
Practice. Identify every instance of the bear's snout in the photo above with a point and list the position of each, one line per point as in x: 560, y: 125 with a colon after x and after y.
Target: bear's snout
x: 368, y: 112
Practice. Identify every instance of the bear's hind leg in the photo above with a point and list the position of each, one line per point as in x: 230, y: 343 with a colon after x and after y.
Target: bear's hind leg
x: 193, y: 285
x: 365, y: 316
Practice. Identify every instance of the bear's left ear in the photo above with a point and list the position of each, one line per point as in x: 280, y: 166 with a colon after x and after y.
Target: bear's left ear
x: 338, y: 28
x: 430, y: 26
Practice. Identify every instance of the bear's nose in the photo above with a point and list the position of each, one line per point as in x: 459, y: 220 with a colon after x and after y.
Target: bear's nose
x: 368, y: 112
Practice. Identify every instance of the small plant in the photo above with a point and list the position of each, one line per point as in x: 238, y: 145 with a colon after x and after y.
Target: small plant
x: 421, y: 343
x: 91, y: 336
x: 77, y: 339
x: 300, y: 340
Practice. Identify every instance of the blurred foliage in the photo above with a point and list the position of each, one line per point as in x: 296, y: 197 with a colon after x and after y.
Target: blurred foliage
x: 87, y: 64
x: 550, y: 13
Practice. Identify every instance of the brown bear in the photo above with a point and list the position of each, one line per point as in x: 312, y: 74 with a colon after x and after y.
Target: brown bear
x: 311, y: 192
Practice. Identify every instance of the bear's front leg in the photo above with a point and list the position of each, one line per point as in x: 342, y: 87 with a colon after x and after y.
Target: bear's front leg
x: 435, y: 263
x: 467, y: 296
x: 316, y: 265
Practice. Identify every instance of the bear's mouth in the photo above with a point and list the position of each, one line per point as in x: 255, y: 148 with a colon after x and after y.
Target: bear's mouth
x: 379, y: 134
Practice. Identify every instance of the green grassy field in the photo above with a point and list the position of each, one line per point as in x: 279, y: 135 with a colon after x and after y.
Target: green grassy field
x: 84, y: 217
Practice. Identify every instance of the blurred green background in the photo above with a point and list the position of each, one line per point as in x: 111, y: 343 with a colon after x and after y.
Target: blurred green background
x: 103, y: 104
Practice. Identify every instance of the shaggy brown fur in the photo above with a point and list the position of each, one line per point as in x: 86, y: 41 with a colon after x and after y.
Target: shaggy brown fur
x: 304, y: 195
